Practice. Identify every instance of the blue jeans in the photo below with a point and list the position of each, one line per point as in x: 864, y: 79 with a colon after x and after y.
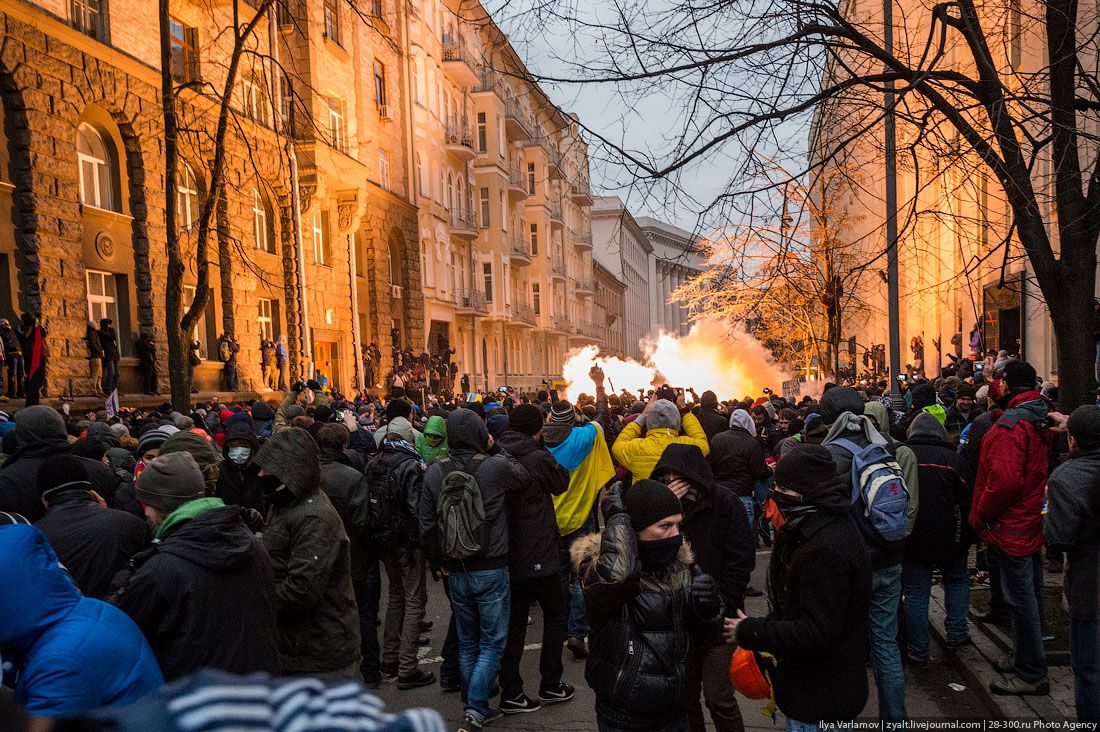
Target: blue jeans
x: 577, y: 626
x: 883, y: 632
x: 916, y: 581
x: 1022, y: 582
x: 793, y: 725
x: 1084, y: 659
x: 748, y: 502
x: 110, y: 376
x: 481, y: 606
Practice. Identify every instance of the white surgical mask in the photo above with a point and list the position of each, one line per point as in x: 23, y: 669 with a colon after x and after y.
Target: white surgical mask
x: 239, y: 455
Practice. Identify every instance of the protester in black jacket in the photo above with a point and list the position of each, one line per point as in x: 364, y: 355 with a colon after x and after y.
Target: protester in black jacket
x: 819, y: 586
x: 534, y: 564
x: 647, y: 603
x: 239, y: 481
x: 92, y: 541
x: 712, y: 421
x: 204, y: 593
x: 109, y: 342
x: 716, y: 526
x: 737, y: 459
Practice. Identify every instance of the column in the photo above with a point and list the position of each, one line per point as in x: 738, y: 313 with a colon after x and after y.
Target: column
x: 670, y: 307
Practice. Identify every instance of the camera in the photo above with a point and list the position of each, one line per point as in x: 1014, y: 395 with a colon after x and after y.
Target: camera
x: 767, y: 391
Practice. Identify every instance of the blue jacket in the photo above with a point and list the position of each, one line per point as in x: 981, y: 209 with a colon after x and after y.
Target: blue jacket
x: 72, y: 653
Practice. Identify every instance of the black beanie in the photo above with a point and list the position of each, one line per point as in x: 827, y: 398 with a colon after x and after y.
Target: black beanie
x: 1020, y: 375
x: 398, y: 408
x: 1085, y: 422
x: 526, y: 419
x: 924, y: 395
x: 648, y: 501
x: 805, y: 468
x: 62, y: 473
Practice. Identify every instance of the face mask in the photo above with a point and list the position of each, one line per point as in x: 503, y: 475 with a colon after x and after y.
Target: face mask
x: 239, y: 455
x: 660, y: 552
x: 783, y: 501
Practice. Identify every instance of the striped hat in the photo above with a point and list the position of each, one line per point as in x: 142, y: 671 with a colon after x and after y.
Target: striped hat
x: 562, y: 412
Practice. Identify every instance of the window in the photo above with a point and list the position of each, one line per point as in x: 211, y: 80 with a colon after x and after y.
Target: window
x: 199, y: 333
x: 187, y: 198
x: 414, y: 69
x: 534, y: 239
x: 1015, y: 30
x: 420, y: 175
x: 337, y: 129
x: 332, y: 20
x: 267, y: 323
x: 450, y: 192
x: 503, y: 213
x: 379, y: 83
x: 261, y: 234
x: 255, y: 101
x: 102, y: 296
x: 376, y: 8
x: 487, y: 269
x: 531, y: 178
x: 84, y: 16
x: 535, y: 299
x: 322, y: 252
x: 384, y: 169
x: 285, y: 16
x: 96, y: 167
x: 485, y: 208
x: 185, y: 58
x: 501, y: 140
x: 482, y: 136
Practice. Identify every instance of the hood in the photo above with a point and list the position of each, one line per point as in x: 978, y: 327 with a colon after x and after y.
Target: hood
x: 838, y: 400
x: 214, y: 537
x: 204, y: 452
x: 401, y: 426
x: 878, y: 410
x: 832, y: 496
x: 663, y: 414
x: 847, y: 424
x: 436, y: 426
x: 45, y: 593
x: 741, y: 418
x: 240, y: 430
x: 466, y: 432
x: 926, y: 425
x: 498, y: 424
x: 291, y: 455
x: 102, y: 432
x: 516, y: 444
x: 688, y: 461
x: 38, y: 424
x: 923, y: 395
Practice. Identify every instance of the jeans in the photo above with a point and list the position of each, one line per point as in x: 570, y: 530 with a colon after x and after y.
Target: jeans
x: 547, y: 591
x: 570, y: 584
x: 481, y: 606
x: 408, y: 596
x: 1022, y: 583
x: 793, y: 725
x: 110, y: 376
x: 883, y: 632
x: 749, y: 503
x: 282, y: 375
x: 997, y: 605
x: 709, y: 672
x: 916, y: 581
x: 1084, y: 659
x: 449, y: 673
x: 680, y: 725
x: 14, y: 364
x: 368, y: 593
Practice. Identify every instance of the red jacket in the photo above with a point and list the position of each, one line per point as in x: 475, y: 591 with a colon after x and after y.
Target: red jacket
x: 1012, y: 477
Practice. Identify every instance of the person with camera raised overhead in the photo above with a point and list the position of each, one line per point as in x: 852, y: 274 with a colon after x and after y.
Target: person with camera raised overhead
x: 309, y: 391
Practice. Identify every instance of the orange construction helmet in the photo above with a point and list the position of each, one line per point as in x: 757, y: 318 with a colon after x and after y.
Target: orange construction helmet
x: 747, y: 675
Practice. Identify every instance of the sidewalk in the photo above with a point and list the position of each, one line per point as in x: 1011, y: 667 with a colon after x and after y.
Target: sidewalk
x: 975, y: 662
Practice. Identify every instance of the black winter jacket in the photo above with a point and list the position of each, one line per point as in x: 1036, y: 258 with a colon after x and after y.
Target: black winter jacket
x: 819, y: 593
x: 1072, y: 525
x: 204, y: 596
x: 971, y: 452
x: 737, y: 460
x: 533, y: 546
x: 109, y: 342
x: 942, y: 528
x: 19, y: 478
x: 716, y: 525
x: 643, y: 625
x: 408, y: 471
x: 239, y: 485
x: 94, y: 543
x: 713, y: 423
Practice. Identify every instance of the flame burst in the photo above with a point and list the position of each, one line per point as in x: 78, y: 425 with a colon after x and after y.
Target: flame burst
x: 714, y: 355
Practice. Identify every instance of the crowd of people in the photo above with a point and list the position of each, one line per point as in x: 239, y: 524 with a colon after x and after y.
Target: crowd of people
x: 134, y: 546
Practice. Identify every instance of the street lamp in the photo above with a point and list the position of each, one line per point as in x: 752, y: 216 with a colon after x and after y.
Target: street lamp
x: 891, y: 215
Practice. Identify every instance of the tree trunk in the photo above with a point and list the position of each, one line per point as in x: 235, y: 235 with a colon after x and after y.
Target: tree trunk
x: 1071, y: 304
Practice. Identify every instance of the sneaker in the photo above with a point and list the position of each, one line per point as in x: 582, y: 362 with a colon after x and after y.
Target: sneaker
x: 416, y: 680
x: 426, y: 625
x: 449, y: 685
x: 469, y: 723
x: 981, y: 577
x: 1015, y: 686
x: 577, y: 647
x: 751, y: 591
x: 423, y: 641
x: 561, y: 693
x: 521, y: 704
x: 493, y: 715
x: 916, y: 661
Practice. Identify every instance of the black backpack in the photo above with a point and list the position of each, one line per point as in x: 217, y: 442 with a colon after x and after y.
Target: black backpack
x: 387, y: 523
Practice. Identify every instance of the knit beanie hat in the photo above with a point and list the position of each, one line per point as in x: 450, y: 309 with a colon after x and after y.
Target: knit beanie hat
x: 526, y: 419
x: 294, y: 410
x: 151, y: 439
x: 838, y: 400
x: 649, y: 501
x: 62, y: 473
x: 924, y: 395
x: 201, y: 450
x: 965, y: 390
x: 562, y: 412
x: 169, y: 481
x: 1085, y: 421
x: 1020, y: 375
x: 805, y: 467
x: 38, y: 423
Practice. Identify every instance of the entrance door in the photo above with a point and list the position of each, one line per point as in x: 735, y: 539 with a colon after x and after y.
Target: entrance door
x: 324, y: 354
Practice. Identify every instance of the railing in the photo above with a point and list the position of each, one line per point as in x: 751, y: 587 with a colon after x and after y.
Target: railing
x: 459, y: 133
x: 491, y: 81
x: 584, y: 283
x: 519, y: 246
x: 582, y: 237
x: 555, y: 214
x: 516, y: 178
x: 513, y: 111
x: 472, y: 300
x: 463, y: 220
x: 562, y: 323
x: 522, y: 311
x: 558, y: 266
x: 581, y: 189
x: 453, y: 51
x: 589, y: 329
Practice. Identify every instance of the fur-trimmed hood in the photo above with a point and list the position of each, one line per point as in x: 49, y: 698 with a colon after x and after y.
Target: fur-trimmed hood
x: 587, y: 548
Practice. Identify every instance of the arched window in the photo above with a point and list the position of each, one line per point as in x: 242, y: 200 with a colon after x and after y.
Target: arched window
x: 420, y: 175
x: 450, y: 191
x: 187, y: 198
x: 460, y: 203
x: 261, y: 232
x: 96, y: 169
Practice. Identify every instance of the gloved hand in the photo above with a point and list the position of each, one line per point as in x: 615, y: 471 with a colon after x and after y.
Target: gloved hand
x: 704, y: 593
x: 611, y: 500
x: 253, y: 519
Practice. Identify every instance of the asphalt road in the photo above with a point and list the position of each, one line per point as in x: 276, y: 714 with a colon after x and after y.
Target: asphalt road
x: 928, y: 693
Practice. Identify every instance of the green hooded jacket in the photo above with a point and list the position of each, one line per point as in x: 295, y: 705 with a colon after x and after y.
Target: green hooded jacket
x: 436, y: 426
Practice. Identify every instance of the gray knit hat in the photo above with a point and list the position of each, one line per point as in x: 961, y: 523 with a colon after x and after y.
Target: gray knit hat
x: 663, y: 414
x: 169, y: 481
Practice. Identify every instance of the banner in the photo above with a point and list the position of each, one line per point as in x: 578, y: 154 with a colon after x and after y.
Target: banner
x: 112, y: 404
x: 792, y: 388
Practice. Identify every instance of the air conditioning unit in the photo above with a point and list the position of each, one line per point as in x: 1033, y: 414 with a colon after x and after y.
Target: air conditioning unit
x: 395, y: 292
x: 384, y: 111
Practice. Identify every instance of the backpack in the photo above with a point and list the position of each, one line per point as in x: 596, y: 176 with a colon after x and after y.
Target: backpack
x: 387, y: 520
x: 460, y: 511
x: 880, y: 499
x: 224, y: 352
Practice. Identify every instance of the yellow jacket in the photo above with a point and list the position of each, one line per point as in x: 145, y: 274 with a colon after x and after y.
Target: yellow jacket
x: 640, y: 454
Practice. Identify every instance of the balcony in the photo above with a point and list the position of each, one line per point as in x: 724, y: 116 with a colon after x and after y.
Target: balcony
x: 581, y: 193
x: 460, y: 140
x: 557, y: 269
x: 582, y: 240
x: 517, y: 125
x: 585, y: 287
x: 471, y: 302
x: 557, y: 223
x: 464, y: 224
x: 554, y: 164
x: 517, y: 186
x: 519, y: 250
x: 589, y: 330
x: 562, y: 323
x: 523, y: 312
x: 489, y: 82
x: 457, y: 64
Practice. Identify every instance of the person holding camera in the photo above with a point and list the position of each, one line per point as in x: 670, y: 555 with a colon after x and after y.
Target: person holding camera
x: 289, y: 407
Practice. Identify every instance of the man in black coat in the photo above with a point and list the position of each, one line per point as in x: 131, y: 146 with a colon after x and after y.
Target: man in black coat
x: 238, y: 476
x: 40, y: 435
x: 819, y: 586
x: 534, y: 564
x: 713, y: 421
x: 204, y: 593
x: 718, y: 530
x: 92, y: 541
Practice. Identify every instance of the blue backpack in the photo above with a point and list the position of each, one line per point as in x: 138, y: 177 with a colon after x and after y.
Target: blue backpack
x: 880, y: 499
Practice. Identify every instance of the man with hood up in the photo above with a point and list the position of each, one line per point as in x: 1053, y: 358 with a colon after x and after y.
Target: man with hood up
x: 109, y: 343
x: 318, y: 620
x: 72, y: 653
x: 432, y: 442
x: 204, y: 571
x: 661, y: 422
x: 719, y: 532
x: 712, y: 421
x: 238, y: 475
x: 13, y: 359
x: 737, y: 459
x: 924, y: 400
